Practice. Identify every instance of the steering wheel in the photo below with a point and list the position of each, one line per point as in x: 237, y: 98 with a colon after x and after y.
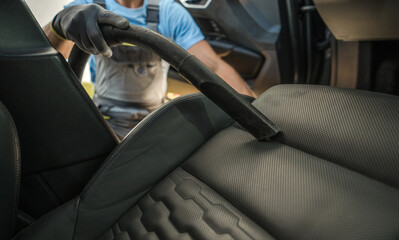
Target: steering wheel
x: 191, y: 69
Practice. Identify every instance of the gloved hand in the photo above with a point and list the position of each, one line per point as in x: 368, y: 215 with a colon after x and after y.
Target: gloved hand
x: 80, y: 24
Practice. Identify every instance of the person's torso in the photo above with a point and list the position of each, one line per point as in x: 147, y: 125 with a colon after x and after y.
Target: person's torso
x: 132, y: 74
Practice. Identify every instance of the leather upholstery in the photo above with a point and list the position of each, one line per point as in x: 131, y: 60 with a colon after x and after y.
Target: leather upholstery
x: 51, y: 110
x: 311, y: 182
x: 9, y: 174
x: 182, y: 207
x: 292, y: 194
x: 155, y: 147
x: 352, y: 128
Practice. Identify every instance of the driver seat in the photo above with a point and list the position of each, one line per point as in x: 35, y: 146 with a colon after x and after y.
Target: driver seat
x: 189, y: 172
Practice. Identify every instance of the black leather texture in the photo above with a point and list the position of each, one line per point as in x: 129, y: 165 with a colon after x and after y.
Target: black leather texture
x: 58, y: 124
x: 182, y: 207
x: 292, y: 194
x: 57, y: 224
x: 352, y: 128
x: 324, y: 185
x: 155, y: 147
x: 43, y: 192
x: 10, y: 174
x: 177, y: 177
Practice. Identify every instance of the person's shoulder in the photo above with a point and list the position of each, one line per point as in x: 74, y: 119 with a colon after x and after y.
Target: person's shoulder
x: 172, y: 9
x: 170, y: 5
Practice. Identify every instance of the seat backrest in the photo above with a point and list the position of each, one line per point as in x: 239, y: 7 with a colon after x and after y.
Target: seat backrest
x: 60, y: 150
x: 355, y: 129
x: 9, y: 173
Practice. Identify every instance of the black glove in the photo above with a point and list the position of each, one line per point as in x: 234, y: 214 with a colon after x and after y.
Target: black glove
x: 80, y: 24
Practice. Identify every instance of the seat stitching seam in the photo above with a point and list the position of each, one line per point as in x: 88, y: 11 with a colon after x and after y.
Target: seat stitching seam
x: 141, y: 221
x: 260, y: 226
x: 212, y: 226
x: 115, y: 156
x: 206, y: 199
x: 16, y: 155
x: 161, y: 202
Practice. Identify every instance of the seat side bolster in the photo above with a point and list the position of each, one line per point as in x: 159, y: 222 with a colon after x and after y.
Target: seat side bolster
x: 10, y: 173
x: 153, y: 149
x: 57, y: 224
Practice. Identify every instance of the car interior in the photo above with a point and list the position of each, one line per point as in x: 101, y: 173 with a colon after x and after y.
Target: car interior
x: 314, y: 156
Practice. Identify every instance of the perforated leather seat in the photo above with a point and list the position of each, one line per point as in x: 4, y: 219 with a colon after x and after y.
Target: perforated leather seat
x: 189, y: 172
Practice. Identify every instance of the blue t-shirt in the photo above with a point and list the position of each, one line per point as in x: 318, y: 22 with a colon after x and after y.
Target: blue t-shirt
x: 175, y: 22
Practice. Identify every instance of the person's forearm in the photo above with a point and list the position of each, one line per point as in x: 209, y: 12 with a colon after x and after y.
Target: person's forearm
x: 63, y: 46
x: 230, y: 76
x: 204, y: 52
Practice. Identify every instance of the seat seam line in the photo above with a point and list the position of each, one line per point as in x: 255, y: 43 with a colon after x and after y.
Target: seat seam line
x: 267, y: 231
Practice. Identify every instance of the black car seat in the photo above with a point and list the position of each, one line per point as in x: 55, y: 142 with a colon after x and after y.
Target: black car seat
x: 10, y: 168
x: 189, y: 171
x: 63, y: 137
x: 332, y: 174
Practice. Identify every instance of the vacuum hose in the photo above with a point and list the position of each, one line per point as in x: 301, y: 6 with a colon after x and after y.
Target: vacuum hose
x: 191, y: 69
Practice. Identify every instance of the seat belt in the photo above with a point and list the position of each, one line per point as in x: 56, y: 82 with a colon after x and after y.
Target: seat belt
x: 152, y: 19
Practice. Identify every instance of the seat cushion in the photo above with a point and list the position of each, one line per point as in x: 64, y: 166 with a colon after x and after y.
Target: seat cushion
x: 292, y: 194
